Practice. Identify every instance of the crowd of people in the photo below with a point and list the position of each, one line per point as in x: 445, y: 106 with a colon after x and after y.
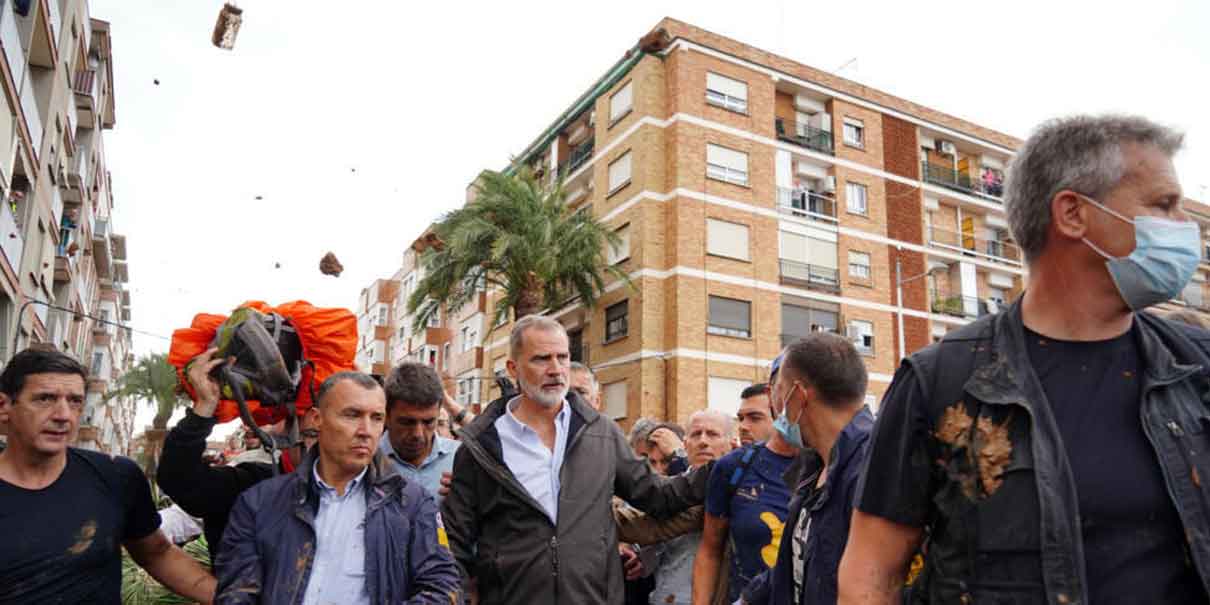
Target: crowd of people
x: 1050, y: 453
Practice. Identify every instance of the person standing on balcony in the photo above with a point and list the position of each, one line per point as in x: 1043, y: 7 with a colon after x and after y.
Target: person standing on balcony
x: 1056, y: 452
x: 66, y: 513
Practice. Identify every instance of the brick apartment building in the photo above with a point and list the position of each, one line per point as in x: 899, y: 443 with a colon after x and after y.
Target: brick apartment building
x: 57, y: 240
x: 758, y: 199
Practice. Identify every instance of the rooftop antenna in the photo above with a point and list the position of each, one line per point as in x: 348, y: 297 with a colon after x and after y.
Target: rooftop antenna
x: 852, y: 62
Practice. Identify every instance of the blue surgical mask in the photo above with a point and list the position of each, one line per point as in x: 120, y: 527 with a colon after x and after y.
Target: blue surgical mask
x: 1166, y: 254
x: 788, y: 429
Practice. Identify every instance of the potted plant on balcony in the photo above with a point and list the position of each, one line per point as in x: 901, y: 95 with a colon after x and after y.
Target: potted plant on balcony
x: 517, y: 235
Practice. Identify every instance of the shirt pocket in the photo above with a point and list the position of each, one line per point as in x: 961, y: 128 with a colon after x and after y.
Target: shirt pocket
x: 353, y: 564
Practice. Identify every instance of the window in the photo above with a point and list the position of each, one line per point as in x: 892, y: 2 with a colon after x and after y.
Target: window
x: 855, y: 195
x: 722, y: 394
x: 727, y: 239
x: 615, y: 255
x: 445, y: 356
x: 797, y: 321
x: 730, y: 317
x: 616, y: 324
x: 382, y: 315
x: 726, y: 164
x: 619, y: 172
x: 854, y: 132
x: 432, y: 353
x: 435, y: 320
x: 621, y: 103
x: 862, y: 335
x: 613, y: 396
x: 726, y: 93
x: 859, y: 265
x: 466, y: 338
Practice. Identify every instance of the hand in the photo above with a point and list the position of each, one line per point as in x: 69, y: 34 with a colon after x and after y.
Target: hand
x: 631, y: 563
x: 667, y: 441
x: 205, y: 387
x: 447, y: 479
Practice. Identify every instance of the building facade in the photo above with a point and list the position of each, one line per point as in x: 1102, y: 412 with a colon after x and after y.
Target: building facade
x: 63, y: 269
x: 759, y: 199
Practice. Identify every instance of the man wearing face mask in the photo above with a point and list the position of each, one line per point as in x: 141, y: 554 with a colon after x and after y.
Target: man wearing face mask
x: 821, y: 384
x: 529, y: 513
x: 1054, y: 452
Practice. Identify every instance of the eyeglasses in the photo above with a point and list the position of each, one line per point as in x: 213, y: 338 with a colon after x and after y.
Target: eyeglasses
x: 309, y: 434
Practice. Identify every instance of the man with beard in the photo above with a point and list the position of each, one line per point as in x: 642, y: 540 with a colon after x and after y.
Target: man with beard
x: 529, y: 513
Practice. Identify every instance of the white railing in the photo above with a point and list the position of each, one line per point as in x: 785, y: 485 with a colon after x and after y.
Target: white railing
x: 33, y: 119
x: 55, y: 21
x: 10, y: 38
x: 11, y: 241
x: 56, y: 203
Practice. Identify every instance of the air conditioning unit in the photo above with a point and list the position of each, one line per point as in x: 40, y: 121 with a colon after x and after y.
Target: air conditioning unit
x: 829, y: 184
x: 946, y: 147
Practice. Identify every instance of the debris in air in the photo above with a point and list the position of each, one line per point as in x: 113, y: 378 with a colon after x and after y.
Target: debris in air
x: 328, y: 265
x: 277, y: 265
x: 260, y: 197
x: 227, y: 26
x: 156, y: 81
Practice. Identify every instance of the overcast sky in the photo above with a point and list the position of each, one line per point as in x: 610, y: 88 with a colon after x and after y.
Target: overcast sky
x: 359, y: 122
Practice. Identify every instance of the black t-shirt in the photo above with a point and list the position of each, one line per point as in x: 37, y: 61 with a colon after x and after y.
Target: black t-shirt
x: 63, y: 543
x: 1133, y: 539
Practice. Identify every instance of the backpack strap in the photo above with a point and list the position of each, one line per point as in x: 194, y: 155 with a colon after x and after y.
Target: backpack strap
x: 741, y: 471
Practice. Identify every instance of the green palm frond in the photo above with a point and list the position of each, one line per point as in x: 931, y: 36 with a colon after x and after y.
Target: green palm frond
x: 518, y: 235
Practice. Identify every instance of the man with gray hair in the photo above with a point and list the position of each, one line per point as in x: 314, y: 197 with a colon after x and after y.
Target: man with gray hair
x: 1053, y: 451
x: 529, y: 513
x: 585, y: 384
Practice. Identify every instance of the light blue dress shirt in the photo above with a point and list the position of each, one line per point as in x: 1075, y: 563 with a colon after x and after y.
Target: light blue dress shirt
x: 338, y: 574
x: 535, y: 467
x: 440, y: 460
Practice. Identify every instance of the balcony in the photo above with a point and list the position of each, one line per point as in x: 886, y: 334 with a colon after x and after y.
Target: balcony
x: 10, y: 39
x: 995, y: 250
x: 101, y: 253
x: 989, y: 184
x: 11, y: 241
x: 579, y: 156
x: 812, y: 276
x: 804, y: 136
x: 85, y: 88
x: 806, y: 204
x: 967, y: 307
x: 33, y: 118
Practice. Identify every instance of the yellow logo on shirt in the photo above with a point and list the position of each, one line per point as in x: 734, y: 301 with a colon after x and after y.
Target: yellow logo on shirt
x: 768, y: 552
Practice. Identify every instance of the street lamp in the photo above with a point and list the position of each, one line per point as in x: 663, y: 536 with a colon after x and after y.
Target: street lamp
x: 933, y: 267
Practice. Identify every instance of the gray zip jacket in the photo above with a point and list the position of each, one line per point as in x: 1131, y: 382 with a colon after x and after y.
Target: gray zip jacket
x: 504, y: 540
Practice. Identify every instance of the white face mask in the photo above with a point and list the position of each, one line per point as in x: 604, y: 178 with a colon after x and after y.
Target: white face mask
x: 1166, y: 254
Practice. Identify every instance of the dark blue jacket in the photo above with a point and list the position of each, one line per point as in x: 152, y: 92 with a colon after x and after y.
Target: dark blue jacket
x: 268, y: 547
x: 830, y: 514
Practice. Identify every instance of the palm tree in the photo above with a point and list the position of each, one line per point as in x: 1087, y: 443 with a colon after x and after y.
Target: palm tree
x: 518, y: 235
x: 153, y: 380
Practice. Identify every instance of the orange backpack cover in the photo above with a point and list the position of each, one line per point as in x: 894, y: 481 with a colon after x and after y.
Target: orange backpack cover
x: 329, y: 342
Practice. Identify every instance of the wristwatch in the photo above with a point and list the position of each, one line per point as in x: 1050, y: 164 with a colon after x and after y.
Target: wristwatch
x: 460, y: 416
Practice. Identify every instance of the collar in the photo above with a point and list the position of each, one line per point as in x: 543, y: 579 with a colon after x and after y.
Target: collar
x: 515, y: 423
x: 851, y: 439
x: 323, y: 486
x: 442, y: 447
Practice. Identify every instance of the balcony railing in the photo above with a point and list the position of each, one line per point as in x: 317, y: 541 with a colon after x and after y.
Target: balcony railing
x: 10, y: 38
x: 801, y: 202
x: 989, y: 183
x: 11, y: 241
x: 803, y: 135
x: 959, y: 306
x: 812, y: 276
x: 578, y: 157
x: 33, y: 119
x: 998, y: 250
